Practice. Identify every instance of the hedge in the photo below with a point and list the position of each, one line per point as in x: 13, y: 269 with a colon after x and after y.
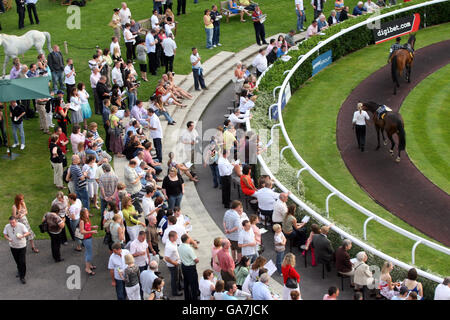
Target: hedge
x: 352, y: 41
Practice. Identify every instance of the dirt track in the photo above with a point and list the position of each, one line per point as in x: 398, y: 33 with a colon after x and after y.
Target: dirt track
x: 400, y: 188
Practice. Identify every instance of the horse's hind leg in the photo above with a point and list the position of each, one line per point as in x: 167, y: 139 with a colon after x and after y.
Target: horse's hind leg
x: 384, y: 139
x: 4, y: 65
x: 378, y: 137
x: 391, y: 151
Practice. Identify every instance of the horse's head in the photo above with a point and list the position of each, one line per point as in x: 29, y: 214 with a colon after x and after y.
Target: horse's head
x: 368, y: 106
x: 412, y: 40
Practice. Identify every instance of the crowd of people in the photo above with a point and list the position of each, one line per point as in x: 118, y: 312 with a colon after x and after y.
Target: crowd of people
x: 145, y: 210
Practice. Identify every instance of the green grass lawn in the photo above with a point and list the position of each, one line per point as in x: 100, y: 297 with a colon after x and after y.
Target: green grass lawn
x: 426, y: 112
x: 310, y: 119
x: 31, y: 173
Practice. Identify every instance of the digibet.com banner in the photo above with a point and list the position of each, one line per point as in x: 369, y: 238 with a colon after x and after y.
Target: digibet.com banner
x: 396, y: 28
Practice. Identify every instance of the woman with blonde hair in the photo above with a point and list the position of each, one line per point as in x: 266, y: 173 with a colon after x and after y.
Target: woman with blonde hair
x: 291, y: 278
x: 180, y: 91
x: 131, y: 218
x: 131, y: 278
x: 386, y: 284
x: 214, y: 261
x: 20, y: 212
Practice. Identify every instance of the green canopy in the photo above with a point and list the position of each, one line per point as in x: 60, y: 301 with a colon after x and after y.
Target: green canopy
x: 24, y: 89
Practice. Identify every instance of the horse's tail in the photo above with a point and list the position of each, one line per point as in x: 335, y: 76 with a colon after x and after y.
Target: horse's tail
x: 394, y: 70
x: 401, y: 135
x: 49, y: 39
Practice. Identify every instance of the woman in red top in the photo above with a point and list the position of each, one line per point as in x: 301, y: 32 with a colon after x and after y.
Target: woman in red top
x: 86, y: 229
x: 61, y: 111
x: 247, y: 186
x: 288, y: 271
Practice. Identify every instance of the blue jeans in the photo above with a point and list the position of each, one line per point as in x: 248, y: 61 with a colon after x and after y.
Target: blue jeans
x: 175, y: 201
x: 120, y: 290
x: 209, y: 36
x: 58, y: 77
x: 300, y: 19
x: 216, y: 35
x: 19, y: 127
x: 215, y: 174
x: 131, y: 99
x: 157, y: 6
x: 73, y: 226
x: 88, y: 249
x: 165, y: 114
x: 280, y: 256
x: 158, y: 148
x: 103, y: 204
x: 82, y: 194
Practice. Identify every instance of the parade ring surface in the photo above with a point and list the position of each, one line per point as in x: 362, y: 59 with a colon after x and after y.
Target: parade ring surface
x: 400, y: 188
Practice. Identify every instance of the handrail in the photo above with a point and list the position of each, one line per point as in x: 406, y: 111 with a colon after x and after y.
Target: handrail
x: 334, y: 191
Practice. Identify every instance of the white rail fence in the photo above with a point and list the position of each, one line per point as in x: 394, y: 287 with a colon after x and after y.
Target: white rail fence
x: 333, y: 191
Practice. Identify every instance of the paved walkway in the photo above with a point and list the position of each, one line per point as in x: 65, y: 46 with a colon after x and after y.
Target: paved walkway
x: 399, y: 187
x: 312, y: 287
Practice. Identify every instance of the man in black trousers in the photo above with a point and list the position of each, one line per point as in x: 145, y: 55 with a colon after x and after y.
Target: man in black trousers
x: 189, y: 269
x: 21, y: 12
x: 15, y: 233
x: 225, y: 171
x: 197, y: 70
x: 31, y: 6
x: 258, y: 23
x: 181, y: 7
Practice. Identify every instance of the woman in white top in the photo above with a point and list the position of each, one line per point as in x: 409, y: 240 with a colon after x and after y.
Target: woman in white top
x: 129, y: 42
x: 386, y: 284
x: 75, y: 107
x: 85, y: 107
x: 75, y: 206
x: 207, y: 285
x: 359, y: 124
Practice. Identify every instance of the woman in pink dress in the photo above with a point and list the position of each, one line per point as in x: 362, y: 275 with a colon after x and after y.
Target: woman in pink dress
x: 76, y: 137
x: 214, y: 262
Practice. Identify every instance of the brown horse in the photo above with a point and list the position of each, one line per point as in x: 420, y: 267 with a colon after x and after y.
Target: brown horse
x: 402, y: 59
x: 392, y: 123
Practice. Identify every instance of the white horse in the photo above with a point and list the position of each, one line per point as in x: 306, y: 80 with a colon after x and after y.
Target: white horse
x: 14, y: 45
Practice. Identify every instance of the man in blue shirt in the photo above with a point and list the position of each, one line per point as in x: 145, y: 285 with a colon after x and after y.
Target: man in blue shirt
x: 359, y: 9
x: 261, y: 290
x: 231, y: 290
x: 281, y: 51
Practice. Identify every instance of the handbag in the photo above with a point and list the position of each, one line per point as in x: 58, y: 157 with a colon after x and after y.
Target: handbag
x: 107, y: 239
x: 291, y: 283
x: 78, y: 234
x: 43, y: 227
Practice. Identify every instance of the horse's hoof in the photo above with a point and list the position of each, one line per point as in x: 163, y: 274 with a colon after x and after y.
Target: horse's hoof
x: 385, y: 142
x: 397, y: 160
x: 377, y: 148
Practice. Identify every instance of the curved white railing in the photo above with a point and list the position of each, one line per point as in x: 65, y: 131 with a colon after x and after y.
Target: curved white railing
x: 335, y: 192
